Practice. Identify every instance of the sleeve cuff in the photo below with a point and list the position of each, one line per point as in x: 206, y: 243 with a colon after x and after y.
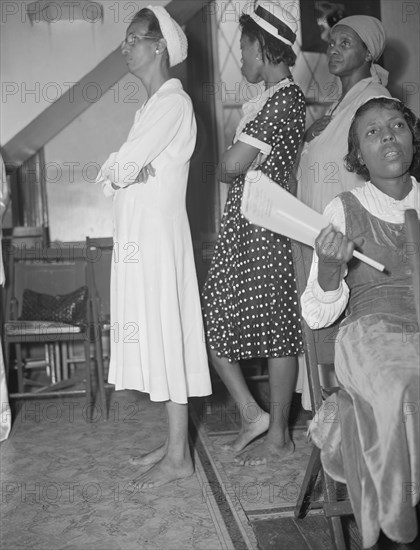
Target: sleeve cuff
x: 326, y: 297
x: 263, y: 147
x: 107, y: 188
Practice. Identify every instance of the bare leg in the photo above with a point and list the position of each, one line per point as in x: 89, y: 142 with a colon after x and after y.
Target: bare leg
x: 254, y: 421
x: 176, y: 462
x: 277, y: 444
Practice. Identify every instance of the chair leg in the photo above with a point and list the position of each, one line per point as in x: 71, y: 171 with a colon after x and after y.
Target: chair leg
x: 89, y: 400
x: 308, y: 484
x: 65, y: 359
x: 337, y: 535
x: 7, y: 360
x: 57, y: 362
x: 100, y: 372
x: 51, y: 360
x: 19, y: 365
x: 334, y: 523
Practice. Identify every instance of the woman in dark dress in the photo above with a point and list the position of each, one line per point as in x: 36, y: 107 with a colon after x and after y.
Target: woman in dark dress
x: 250, y: 299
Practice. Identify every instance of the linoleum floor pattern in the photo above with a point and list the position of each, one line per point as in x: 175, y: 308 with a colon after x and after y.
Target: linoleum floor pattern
x: 65, y: 482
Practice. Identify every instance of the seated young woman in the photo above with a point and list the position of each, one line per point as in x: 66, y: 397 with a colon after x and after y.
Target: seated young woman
x: 377, y: 358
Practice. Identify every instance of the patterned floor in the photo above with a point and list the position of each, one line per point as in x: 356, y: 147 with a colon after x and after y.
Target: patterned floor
x: 64, y: 482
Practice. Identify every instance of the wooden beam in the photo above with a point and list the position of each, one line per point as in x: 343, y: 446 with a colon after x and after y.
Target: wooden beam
x: 76, y: 100
x: 59, y: 114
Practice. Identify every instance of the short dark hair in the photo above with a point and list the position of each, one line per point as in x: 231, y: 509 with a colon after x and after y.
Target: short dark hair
x: 272, y: 48
x: 153, y: 27
x: 352, y: 159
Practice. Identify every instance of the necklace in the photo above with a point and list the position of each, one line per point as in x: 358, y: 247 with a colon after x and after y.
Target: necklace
x: 336, y: 106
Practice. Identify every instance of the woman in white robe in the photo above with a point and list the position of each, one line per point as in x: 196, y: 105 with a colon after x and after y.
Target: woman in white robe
x: 157, y: 342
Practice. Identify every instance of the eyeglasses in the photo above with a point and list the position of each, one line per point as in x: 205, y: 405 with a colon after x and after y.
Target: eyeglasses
x: 132, y: 39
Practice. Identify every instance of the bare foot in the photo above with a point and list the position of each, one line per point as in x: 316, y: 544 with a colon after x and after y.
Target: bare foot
x: 164, y: 471
x: 248, y: 432
x: 149, y: 458
x: 266, y: 453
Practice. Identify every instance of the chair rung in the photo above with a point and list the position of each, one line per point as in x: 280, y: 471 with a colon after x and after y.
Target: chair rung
x: 341, y: 508
x: 35, y: 364
x: 46, y: 395
x: 58, y: 386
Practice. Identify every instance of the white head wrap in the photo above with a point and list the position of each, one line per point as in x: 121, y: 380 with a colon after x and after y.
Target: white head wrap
x: 372, y: 98
x: 176, y: 41
x: 276, y: 20
x: 372, y: 33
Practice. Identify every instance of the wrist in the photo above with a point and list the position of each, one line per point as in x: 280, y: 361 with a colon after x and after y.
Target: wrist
x: 326, y: 296
x: 329, y: 275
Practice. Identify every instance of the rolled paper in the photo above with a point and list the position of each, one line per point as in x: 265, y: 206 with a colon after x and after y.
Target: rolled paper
x: 268, y: 205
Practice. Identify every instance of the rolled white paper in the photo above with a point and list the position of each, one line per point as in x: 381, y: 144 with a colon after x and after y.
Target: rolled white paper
x: 268, y: 205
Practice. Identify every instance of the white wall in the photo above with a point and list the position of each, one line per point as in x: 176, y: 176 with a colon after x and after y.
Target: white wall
x: 401, y: 19
x: 76, y: 206
x: 41, y: 60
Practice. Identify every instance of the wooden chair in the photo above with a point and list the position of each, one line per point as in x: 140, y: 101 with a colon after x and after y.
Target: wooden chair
x: 412, y: 252
x: 53, y: 271
x: 319, y: 354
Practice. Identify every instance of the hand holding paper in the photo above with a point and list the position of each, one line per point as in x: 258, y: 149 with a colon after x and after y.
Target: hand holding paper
x: 268, y: 205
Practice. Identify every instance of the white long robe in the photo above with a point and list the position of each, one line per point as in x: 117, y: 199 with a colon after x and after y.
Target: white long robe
x: 157, y: 337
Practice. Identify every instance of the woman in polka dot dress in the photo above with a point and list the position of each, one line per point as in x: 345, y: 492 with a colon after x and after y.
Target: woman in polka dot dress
x: 250, y: 298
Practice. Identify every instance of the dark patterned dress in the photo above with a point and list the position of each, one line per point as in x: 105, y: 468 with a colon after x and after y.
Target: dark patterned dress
x: 250, y: 301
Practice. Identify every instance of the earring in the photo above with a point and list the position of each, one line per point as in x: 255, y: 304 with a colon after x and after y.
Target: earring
x: 157, y: 50
x: 257, y: 58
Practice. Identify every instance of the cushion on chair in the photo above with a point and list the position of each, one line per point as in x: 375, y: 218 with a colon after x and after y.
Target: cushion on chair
x: 67, y: 308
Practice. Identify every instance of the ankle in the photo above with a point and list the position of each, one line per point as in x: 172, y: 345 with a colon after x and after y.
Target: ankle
x: 278, y: 436
x: 251, y: 416
x: 179, y: 456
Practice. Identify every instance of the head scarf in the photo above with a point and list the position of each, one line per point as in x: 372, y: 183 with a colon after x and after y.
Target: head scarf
x: 176, y: 41
x: 372, y: 33
x: 372, y: 98
x: 275, y: 20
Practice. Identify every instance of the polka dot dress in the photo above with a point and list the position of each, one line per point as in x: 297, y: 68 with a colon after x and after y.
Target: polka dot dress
x: 250, y: 301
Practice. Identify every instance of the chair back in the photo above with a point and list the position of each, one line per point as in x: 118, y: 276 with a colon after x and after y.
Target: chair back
x: 47, y: 273
x: 99, y: 260
x: 412, y: 224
